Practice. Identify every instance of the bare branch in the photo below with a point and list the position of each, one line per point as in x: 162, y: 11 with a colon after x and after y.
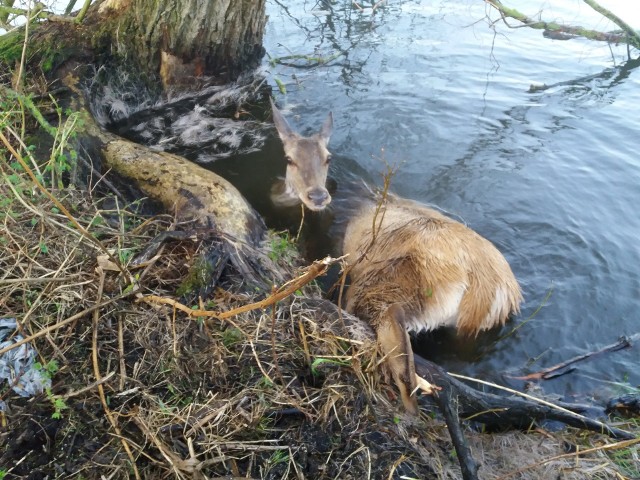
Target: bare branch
x: 565, y: 32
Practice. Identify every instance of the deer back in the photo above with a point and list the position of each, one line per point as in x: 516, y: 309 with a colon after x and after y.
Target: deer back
x: 440, y: 271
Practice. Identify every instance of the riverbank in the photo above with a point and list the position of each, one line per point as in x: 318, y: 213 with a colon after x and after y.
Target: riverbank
x: 144, y: 390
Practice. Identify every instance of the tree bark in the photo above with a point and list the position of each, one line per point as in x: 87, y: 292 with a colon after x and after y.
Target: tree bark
x: 180, y: 39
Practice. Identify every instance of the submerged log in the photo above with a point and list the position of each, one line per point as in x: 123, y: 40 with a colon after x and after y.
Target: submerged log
x: 457, y: 400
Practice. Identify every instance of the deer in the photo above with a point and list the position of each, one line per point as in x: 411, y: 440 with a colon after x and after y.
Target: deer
x: 411, y: 268
x: 307, y: 165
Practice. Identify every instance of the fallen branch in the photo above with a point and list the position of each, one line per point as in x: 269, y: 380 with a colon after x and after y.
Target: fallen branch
x: 494, y: 409
x: 634, y: 37
x: 448, y: 403
x: 558, y: 31
x: 316, y: 269
x: 559, y: 369
x: 455, y: 399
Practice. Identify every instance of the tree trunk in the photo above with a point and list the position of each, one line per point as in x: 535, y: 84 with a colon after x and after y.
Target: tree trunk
x: 176, y: 40
x: 180, y: 39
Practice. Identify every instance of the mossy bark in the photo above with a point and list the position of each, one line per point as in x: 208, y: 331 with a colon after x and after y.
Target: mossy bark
x: 186, y: 38
x: 178, y: 39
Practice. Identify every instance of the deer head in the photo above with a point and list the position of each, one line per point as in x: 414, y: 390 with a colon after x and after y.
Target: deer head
x: 307, y: 162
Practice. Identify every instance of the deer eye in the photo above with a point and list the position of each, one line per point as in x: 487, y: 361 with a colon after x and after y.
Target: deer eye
x: 289, y: 160
x: 328, y: 160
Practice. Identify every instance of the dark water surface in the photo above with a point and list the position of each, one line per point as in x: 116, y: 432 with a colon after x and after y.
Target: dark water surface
x: 552, y: 178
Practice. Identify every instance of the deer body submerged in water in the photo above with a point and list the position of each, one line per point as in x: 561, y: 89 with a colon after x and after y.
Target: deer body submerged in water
x: 411, y: 268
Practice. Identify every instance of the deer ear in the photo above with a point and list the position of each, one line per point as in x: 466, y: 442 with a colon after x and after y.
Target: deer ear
x: 284, y: 130
x: 327, y: 128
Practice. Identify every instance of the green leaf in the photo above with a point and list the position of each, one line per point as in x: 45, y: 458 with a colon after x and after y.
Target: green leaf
x: 281, y: 86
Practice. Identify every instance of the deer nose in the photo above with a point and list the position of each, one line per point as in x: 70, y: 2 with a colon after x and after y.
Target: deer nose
x: 318, y: 196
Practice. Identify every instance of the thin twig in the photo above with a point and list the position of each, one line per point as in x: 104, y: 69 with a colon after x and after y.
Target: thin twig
x: 611, y: 446
x: 301, y: 224
x: 169, y: 456
x: 37, y: 280
x: 123, y: 368
x: 61, y: 324
x: 96, y: 370
x: 521, y: 394
x: 316, y: 269
x: 91, y: 386
x: 553, y: 372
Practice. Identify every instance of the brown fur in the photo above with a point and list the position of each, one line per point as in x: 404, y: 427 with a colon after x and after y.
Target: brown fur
x: 421, y: 270
x: 307, y: 165
x: 411, y: 267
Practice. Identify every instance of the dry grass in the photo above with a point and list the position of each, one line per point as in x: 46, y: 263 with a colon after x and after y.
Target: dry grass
x: 147, y: 391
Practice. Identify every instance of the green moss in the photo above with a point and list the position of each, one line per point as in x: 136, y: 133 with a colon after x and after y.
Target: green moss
x: 197, y: 278
x: 11, y: 47
x: 281, y: 247
x: 231, y: 336
x: 42, y: 49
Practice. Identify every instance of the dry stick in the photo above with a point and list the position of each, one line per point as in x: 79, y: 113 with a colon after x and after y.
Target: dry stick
x: 632, y: 33
x: 274, y: 354
x: 316, y: 269
x: 546, y: 373
x: 174, y: 334
x: 96, y: 370
x: 123, y: 368
x: 611, y: 446
x: 75, y: 393
x: 23, y: 56
x: 35, y: 281
x: 343, y: 282
x: 301, y: 223
x: 169, y: 456
x: 39, y: 118
x: 520, y: 394
x: 563, y: 414
x: 59, y: 205
x: 380, y: 211
x: 447, y: 402
x: 61, y: 324
x: 631, y: 37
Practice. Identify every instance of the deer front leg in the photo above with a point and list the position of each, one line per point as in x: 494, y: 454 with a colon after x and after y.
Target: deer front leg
x: 396, y: 347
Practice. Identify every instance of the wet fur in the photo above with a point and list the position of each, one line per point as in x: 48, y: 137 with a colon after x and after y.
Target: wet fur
x: 421, y: 271
x: 415, y: 270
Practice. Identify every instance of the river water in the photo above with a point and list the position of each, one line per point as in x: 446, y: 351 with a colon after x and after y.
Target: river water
x: 551, y: 176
